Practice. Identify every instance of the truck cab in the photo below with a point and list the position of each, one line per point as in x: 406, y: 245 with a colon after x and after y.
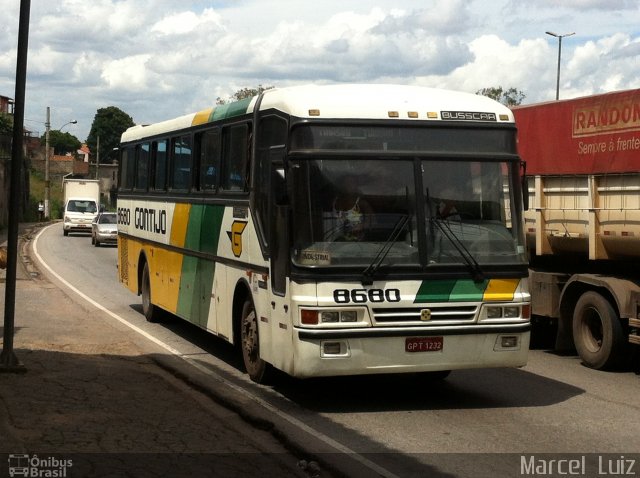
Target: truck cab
x: 79, y: 213
x: 81, y: 204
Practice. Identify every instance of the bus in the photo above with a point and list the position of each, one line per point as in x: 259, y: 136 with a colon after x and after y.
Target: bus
x: 334, y: 230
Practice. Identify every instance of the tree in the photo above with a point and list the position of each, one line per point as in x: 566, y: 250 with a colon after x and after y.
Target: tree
x: 243, y: 93
x: 509, y: 97
x: 6, y: 124
x: 62, y: 143
x: 108, y: 124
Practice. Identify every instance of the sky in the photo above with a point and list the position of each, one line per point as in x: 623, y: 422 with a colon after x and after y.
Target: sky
x: 158, y: 59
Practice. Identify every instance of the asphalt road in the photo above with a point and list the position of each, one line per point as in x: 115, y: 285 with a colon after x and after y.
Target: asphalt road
x: 404, y: 425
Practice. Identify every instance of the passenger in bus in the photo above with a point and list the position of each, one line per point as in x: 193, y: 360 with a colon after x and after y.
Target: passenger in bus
x: 350, y: 213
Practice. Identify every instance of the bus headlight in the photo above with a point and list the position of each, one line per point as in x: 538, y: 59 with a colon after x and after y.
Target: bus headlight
x: 506, y: 312
x: 329, y: 316
x: 348, y: 316
x: 494, y: 312
x: 511, y: 312
x: 333, y: 317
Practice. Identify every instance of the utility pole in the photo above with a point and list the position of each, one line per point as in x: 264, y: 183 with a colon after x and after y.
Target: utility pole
x: 97, y: 156
x: 47, y: 163
x: 8, y: 360
x: 47, y: 182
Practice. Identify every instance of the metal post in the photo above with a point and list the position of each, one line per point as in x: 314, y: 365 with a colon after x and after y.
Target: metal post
x: 8, y: 360
x: 558, y: 75
x: 97, y: 157
x: 559, y: 37
x: 47, y: 182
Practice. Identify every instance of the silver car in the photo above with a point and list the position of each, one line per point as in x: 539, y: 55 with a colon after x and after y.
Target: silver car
x: 104, y: 229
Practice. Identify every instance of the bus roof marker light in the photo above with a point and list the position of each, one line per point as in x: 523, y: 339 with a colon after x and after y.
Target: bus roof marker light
x: 504, y: 117
x: 432, y: 115
x: 394, y: 114
x: 412, y: 114
x: 314, y: 112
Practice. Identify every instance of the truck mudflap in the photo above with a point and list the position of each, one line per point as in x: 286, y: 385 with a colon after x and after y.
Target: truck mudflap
x: 634, y: 321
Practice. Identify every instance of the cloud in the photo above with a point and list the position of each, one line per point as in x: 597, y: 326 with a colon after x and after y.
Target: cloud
x: 185, y: 22
x: 608, y: 5
x: 128, y: 74
x: 443, y: 17
x: 157, y: 59
x: 619, y: 52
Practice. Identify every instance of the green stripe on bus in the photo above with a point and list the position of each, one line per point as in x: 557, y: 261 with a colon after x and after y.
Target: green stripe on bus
x: 203, y: 230
x: 450, y: 291
x: 229, y: 110
x: 196, y: 279
x: 196, y: 283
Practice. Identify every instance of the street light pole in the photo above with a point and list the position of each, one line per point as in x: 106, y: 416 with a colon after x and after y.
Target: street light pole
x: 47, y: 159
x: 559, y: 37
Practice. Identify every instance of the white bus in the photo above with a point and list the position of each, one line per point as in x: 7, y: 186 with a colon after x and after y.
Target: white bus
x: 334, y: 230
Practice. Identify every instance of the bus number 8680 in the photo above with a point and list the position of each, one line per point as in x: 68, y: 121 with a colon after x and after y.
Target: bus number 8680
x: 360, y: 296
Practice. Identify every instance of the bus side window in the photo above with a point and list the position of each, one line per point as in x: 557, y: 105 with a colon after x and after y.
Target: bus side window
x: 235, y: 156
x: 209, y: 159
x: 271, y: 140
x: 142, y: 168
x: 181, y: 163
x: 127, y: 168
x: 122, y: 165
x: 159, y: 165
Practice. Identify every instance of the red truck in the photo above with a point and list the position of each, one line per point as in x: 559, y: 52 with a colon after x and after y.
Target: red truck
x: 583, y: 223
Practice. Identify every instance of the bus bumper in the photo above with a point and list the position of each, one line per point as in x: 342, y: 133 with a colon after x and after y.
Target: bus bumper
x: 328, y: 354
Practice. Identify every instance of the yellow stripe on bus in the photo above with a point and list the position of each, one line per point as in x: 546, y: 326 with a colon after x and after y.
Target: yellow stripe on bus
x: 501, y: 289
x: 201, y: 117
x: 170, y: 262
x: 179, y: 224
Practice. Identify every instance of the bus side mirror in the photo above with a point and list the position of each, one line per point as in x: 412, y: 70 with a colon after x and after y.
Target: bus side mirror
x: 525, y: 185
x: 280, y: 195
x: 525, y: 193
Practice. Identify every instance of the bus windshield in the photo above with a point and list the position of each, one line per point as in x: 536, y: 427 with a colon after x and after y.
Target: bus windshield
x: 414, y: 212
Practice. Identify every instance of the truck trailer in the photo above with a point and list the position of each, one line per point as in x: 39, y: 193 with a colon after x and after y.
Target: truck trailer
x: 583, y: 224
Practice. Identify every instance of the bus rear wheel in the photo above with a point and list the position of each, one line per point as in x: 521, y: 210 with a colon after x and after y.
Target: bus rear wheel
x: 150, y: 311
x: 259, y: 371
x: 597, y: 332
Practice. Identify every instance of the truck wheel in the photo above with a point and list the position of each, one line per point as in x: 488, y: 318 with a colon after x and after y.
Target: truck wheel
x: 150, y: 311
x: 597, y: 332
x: 258, y: 370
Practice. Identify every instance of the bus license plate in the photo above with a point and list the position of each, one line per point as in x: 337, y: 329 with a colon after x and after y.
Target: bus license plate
x: 423, y: 344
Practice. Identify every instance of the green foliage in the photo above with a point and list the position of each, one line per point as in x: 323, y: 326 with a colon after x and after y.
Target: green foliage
x: 243, y: 93
x: 509, y: 97
x: 36, y: 194
x: 6, y: 124
x: 108, y: 124
x: 62, y: 143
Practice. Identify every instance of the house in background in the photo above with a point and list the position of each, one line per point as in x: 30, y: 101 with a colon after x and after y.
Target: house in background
x: 6, y: 104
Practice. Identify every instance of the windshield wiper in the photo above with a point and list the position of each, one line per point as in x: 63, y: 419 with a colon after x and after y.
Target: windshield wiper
x: 371, y: 269
x: 474, y: 266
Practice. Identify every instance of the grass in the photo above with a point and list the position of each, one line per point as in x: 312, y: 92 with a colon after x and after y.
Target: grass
x: 36, y: 194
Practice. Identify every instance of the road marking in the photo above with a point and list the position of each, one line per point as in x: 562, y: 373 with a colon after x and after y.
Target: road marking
x: 285, y: 416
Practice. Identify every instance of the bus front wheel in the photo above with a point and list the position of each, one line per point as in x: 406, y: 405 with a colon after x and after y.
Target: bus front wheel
x: 150, y: 311
x: 258, y: 369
